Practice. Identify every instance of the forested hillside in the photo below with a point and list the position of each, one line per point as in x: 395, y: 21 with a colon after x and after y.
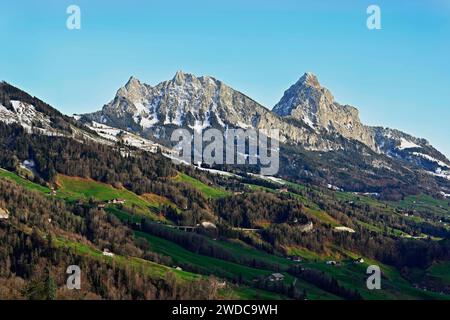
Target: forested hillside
x: 176, y: 232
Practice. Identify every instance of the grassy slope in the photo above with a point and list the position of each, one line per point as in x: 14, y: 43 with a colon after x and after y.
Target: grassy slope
x: 158, y: 271
x: 354, y: 276
x: 393, y: 286
x: 23, y: 182
x: 208, y: 191
x: 210, y: 265
x: 423, y: 203
x: 241, y: 250
x: 75, y: 188
x: 441, y: 271
x: 207, y: 265
x: 247, y: 293
x: 149, y: 268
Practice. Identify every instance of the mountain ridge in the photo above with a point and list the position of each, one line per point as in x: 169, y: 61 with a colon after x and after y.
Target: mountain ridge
x: 201, y: 102
x: 195, y: 103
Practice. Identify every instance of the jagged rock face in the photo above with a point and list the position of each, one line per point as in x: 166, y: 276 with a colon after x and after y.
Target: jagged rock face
x: 196, y: 103
x: 183, y: 101
x: 307, y: 100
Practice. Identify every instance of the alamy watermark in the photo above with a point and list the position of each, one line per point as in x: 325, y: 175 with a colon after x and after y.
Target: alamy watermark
x: 374, y: 19
x: 232, y: 147
x: 374, y: 280
x: 73, y: 21
x: 74, y: 279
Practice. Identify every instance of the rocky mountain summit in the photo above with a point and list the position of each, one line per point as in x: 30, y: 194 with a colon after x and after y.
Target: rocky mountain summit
x: 308, y: 101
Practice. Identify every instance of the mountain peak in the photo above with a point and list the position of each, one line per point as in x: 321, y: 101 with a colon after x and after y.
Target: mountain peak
x: 309, y: 79
x: 133, y: 89
x: 304, y: 93
x: 133, y: 82
x: 181, y: 77
x: 308, y: 101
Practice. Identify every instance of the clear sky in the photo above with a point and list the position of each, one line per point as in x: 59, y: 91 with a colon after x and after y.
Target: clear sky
x: 398, y: 76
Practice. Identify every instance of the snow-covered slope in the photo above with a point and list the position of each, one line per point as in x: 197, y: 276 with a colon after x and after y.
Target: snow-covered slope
x: 117, y: 135
x: 26, y: 115
x: 19, y: 108
x: 417, y: 151
x: 35, y: 116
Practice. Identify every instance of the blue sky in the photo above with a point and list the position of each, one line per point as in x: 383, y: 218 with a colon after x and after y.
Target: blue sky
x: 398, y: 76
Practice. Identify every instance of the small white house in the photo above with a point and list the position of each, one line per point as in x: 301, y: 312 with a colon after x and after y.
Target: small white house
x: 208, y: 225
x: 344, y: 229
x: 117, y: 201
x: 107, y: 253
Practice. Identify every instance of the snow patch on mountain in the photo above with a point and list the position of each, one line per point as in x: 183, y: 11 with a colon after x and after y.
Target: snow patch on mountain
x: 441, y: 174
x: 308, y: 121
x: 406, y: 144
x: 199, y: 126
x: 116, y: 135
x: 26, y: 115
x: 430, y: 158
x: 105, y: 131
x: 145, y: 116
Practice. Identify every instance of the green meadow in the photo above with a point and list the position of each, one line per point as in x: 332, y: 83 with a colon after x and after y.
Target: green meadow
x: 205, y: 264
x: 149, y: 268
x: 75, y: 188
x: 23, y: 182
x: 208, y: 191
